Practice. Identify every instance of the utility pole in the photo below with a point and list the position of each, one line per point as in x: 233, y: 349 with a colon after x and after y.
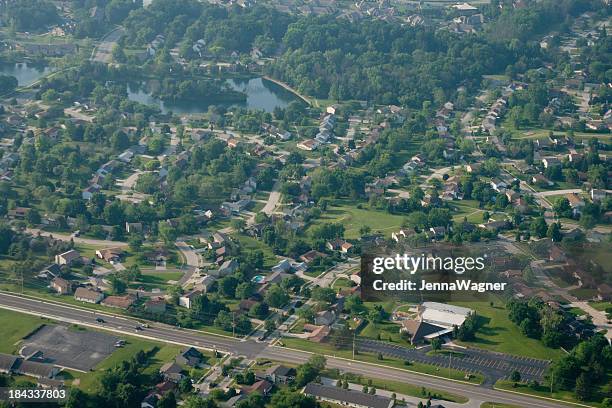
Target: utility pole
x: 354, y: 345
x: 233, y: 324
x: 450, y: 359
x: 552, y: 380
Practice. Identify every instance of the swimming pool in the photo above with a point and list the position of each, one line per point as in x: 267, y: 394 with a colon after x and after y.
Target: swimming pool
x: 258, y: 279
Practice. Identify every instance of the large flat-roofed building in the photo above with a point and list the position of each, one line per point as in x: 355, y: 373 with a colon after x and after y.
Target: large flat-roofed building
x: 442, y: 314
x: 350, y: 398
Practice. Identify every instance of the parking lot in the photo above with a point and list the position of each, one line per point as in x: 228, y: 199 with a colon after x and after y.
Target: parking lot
x: 69, y: 347
x: 493, y: 366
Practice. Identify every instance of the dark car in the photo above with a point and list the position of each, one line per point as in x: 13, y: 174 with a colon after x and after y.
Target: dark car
x: 99, y: 320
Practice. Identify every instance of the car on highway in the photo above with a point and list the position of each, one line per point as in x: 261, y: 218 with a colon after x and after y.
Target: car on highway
x: 99, y: 320
x: 138, y: 328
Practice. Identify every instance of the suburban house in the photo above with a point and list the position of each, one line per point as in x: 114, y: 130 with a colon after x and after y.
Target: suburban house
x: 598, y: 195
x: 575, y: 202
x: 133, y: 227
x: 187, y: 299
x: 351, y: 398
x: 339, y: 245
x: 155, y: 305
x: 171, y: 372
x: 18, y: 213
x: 61, y: 286
x: 325, y: 318
x: 190, y: 357
x: 278, y: 374
x: 550, y: 162
x: 120, y: 302
x: 67, y: 257
x: 52, y: 270
x: 88, y: 295
x: 110, y: 255
x: 310, y: 256
x: 262, y: 387
x: 283, y: 266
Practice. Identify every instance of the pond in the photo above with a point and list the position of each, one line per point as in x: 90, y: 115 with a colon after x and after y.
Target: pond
x: 25, y: 73
x: 261, y: 94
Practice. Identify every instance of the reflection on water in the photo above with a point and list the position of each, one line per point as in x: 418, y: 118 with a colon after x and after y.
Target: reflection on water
x: 261, y: 94
x: 25, y: 73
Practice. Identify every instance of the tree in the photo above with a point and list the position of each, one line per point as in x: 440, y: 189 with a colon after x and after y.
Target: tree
x: 436, y: 344
x: 167, y: 401
x: 238, y: 224
x: 515, y: 377
x: 584, y: 387
x: 7, y: 83
x: 185, y: 385
x: 288, y: 399
x: 539, y: 227
x: 554, y: 232
x: 276, y: 296
x: 244, y: 290
x: 118, y: 285
x: 119, y: 141
x: 327, y: 295
x: 562, y: 207
x: 167, y: 232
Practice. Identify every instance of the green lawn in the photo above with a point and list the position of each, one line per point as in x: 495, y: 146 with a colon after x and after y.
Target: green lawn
x: 388, y: 332
x: 341, y: 283
x: 15, y: 326
x: 151, y: 280
x: 354, y: 218
x: 576, y: 311
x: 249, y: 244
x: 499, y: 334
x: 584, y: 293
x: 602, y: 306
x: 163, y: 354
x: 400, y: 387
x: 497, y: 405
x: 544, y: 391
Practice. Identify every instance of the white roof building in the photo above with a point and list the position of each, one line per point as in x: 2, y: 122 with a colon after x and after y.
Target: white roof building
x: 442, y: 314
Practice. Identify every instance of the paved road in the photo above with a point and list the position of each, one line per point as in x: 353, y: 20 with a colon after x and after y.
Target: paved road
x: 252, y: 349
x: 561, y: 192
x: 77, y: 240
x: 104, y: 51
x: 192, y: 260
x: 273, y: 199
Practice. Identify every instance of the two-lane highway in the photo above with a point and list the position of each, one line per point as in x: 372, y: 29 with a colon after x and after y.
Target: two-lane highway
x: 252, y: 349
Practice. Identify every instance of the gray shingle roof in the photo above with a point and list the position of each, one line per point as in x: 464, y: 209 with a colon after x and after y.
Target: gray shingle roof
x: 347, y: 396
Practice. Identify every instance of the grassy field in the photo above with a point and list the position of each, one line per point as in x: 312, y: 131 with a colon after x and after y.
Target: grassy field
x: 584, y: 293
x: 88, y: 381
x: 400, y: 387
x: 150, y: 280
x: 497, y: 405
x: 602, y: 306
x: 354, y: 218
x: 498, y: 333
x: 544, y: 391
x: 342, y: 283
x: 327, y: 349
x: 251, y: 244
x: 15, y: 326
